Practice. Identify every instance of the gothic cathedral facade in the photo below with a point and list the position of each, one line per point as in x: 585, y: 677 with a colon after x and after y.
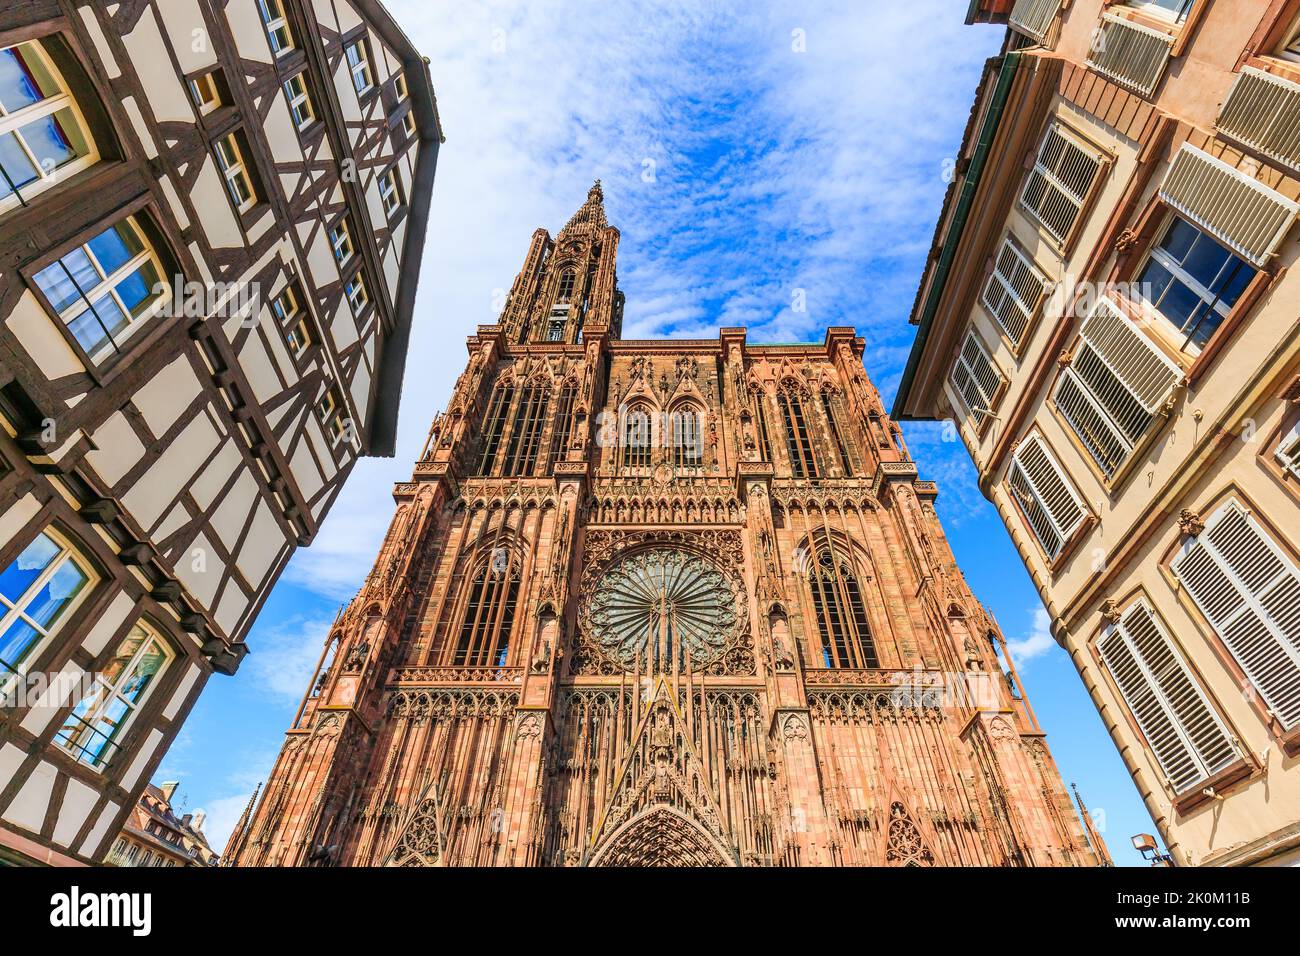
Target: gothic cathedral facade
x: 661, y: 603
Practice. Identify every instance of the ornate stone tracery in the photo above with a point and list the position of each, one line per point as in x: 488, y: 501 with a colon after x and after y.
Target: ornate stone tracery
x: 657, y: 690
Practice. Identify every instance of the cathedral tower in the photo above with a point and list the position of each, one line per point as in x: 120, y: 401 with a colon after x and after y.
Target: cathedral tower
x: 661, y: 603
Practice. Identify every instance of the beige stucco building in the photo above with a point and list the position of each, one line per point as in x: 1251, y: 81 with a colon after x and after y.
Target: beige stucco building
x: 1109, y: 314
x: 211, y: 221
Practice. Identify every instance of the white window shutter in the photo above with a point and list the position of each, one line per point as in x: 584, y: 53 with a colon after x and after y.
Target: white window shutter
x: 1250, y: 592
x: 1111, y: 391
x: 1263, y: 111
x: 1034, y: 17
x: 1050, y: 504
x: 1013, y: 291
x: 1186, y: 736
x: 1131, y: 54
x: 1237, y: 209
x: 1059, y: 182
x: 976, y: 377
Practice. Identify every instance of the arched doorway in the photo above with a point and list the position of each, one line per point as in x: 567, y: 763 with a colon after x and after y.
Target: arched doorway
x: 661, y: 836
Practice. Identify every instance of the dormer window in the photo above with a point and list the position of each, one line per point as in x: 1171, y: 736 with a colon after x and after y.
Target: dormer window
x: 42, y: 133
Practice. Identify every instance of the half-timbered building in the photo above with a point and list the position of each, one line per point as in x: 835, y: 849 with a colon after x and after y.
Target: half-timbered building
x: 212, y: 216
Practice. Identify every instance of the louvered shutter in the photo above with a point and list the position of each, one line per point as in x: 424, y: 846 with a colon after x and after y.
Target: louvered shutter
x: 1013, y: 291
x: 1186, y: 736
x: 1263, y: 112
x: 1034, y: 17
x: 1059, y: 183
x: 1250, y: 592
x: 976, y: 377
x: 1237, y: 209
x: 1131, y: 54
x: 1050, y: 505
x: 1110, y: 393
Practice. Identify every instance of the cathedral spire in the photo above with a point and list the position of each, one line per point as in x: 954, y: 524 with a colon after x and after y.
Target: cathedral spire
x: 568, y: 283
x: 590, y: 217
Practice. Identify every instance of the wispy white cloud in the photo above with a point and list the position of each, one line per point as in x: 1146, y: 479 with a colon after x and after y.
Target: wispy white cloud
x: 223, y: 811
x: 748, y: 150
x: 284, y: 656
x: 1037, y: 642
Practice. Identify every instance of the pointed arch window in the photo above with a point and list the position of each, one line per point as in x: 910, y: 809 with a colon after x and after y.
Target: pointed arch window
x: 760, y: 426
x: 526, y: 435
x: 637, y: 437
x: 688, y: 439
x: 489, y: 615
x: 841, y: 612
x: 830, y: 404
x: 797, y: 438
x: 568, y: 280
x: 502, y: 396
x: 562, y: 430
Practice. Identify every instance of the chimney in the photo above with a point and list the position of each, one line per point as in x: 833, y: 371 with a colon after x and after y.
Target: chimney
x: 169, y: 788
x: 200, y: 817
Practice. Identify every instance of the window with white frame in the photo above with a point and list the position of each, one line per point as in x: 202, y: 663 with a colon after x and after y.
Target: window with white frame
x: 1175, y: 10
x: 1193, y: 282
x: 1059, y: 183
x: 37, y: 590
x: 358, y: 295
x: 1248, y: 588
x: 976, y: 378
x: 408, y: 122
x: 1013, y: 291
x: 341, y: 241
x: 1288, y: 451
x: 1047, y: 499
x: 300, y: 105
x: 359, y: 65
x: 1114, y: 386
x: 234, y: 170
x: 1186, y: 736
x: 205, y: 92
x: 331, y: 413
x: 298, y: 337
x: 106, y: 288
x: 94, y: 729
x: 277, y: 26
x: 43, y: 135
x: 400, y: 89
x: 285, y: 305
x: 390, y: 192
x: 1291, y: 44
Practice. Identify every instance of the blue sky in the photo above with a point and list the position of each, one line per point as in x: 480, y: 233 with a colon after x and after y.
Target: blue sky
x: 753, y: 157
